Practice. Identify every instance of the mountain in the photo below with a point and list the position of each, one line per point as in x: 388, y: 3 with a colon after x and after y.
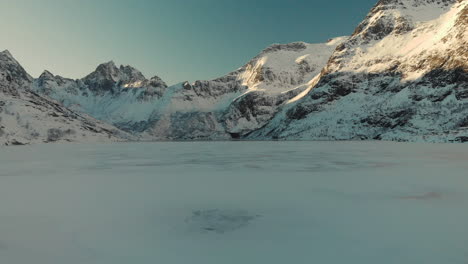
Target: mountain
x: 402, y: 75
x: 26, y: 117
x: 12, y: 76
x: 229, y: 106
x: 118, y: 95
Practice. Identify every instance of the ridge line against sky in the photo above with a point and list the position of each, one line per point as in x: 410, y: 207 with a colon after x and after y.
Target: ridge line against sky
x: 173, y: 39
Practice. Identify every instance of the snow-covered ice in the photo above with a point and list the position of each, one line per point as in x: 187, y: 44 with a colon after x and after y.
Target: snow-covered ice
x: 234, y: 202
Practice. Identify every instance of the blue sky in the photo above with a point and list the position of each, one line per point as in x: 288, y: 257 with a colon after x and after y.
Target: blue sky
x: 174, y: 39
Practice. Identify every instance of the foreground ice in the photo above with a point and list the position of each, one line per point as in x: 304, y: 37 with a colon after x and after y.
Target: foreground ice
x: 238, y: 202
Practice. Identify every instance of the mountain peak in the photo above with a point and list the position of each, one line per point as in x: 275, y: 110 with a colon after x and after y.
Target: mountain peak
x: 106, y: 70
x: 108, y: 76
x: 46, y: 74
x: 156, y: 81
x: 110, y: 63
x: 12, y: 74
x: 6, y: 53
x: 103, y: 78
x: 399, y: 17
x: 107, y: 67
x: 110, y: 71
x: 415, y: 2
x: 6, y: 57
x: 410, y: 6
x: 131, y: 74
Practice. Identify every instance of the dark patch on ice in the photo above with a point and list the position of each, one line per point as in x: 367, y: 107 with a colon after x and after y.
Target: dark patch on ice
x: 425, y: 196
x: 252, y: 166
x: 340, y: 165
x: 219, y: 221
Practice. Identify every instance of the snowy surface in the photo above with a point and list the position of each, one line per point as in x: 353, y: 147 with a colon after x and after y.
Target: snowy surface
x: 401, y: 76
x: 430, y: 33
x: 26, y: 117
x: 282, y: 67
x: 31, y: 119
x: 123, y: 97
x: 231, y: 203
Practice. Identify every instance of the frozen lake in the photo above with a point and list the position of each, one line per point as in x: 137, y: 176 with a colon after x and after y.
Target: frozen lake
x: 234, y: 203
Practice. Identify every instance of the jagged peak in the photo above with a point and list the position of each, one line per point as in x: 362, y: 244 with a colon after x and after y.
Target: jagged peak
x: 399, y: 17
x: 433, y: 5
x: 156, y: 78
x: 109, y: 70
x: 106, y: 70
x: 131, y: 73
x: 6, y: 53
x: 46, y: 74
x: 157, y: 82
x: 9, y: 65
x: 128, y: 68
x: 415, y: 3
x: 6, y: 56
x: 110, y: 63
x: 107, y: 66
x: 108, y: 76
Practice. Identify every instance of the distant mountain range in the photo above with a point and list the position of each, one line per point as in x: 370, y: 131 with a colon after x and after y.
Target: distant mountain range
x: 402, y: 75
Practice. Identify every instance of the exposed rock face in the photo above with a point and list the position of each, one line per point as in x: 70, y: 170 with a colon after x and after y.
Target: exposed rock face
x: 118, y: 95
x: 12, y: 76
x: 403, y: 75
x: 108, y: 78
x: 232, y: 105
x: 26, y: 117
x: 244, y: 100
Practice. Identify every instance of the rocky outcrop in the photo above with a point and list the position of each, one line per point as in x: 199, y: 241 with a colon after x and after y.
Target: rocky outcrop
x: 12, y: 76
x: 242, y: 101
x: 107, y: 78
x: 235, y: 104
x: 26, y: 117
x: 401, y: 76
x: 121, y: 96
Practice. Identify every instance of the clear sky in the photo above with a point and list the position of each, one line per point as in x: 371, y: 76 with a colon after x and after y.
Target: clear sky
x: 177, y: 40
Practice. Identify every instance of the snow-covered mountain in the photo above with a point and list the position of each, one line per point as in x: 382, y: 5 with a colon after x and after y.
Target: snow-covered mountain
x: 230, y: 106
x: 26, y: 117
x: 402, y: 75
x: 120, y: 96
x: 244, y: 100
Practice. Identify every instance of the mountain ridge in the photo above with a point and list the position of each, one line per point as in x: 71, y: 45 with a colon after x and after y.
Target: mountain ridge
x: 135, y: 104
x: 401, y: 75
x: 393, y: 85
x: 27, y: 117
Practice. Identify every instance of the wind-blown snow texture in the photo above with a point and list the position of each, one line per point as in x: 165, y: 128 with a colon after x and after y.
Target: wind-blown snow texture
x: 234, y: 202
x: 26, y: 117
x: 402, y: 75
